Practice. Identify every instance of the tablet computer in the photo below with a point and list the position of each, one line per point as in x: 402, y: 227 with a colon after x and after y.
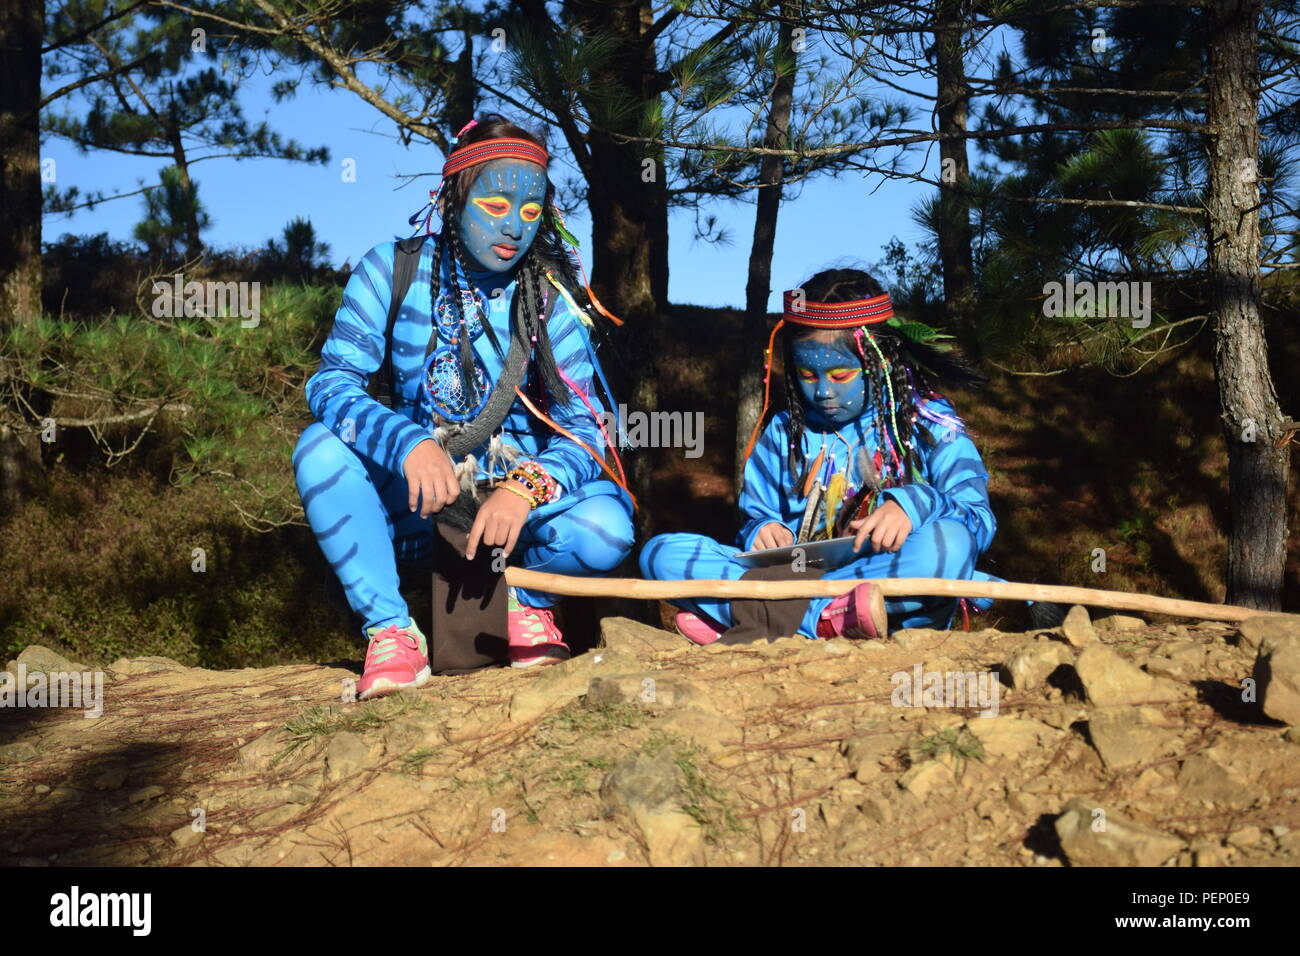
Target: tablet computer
x: 827, y: 554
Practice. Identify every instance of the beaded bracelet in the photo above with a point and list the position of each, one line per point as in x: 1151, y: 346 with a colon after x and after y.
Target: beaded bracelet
x: 541, y: 486
x: 532, y: 503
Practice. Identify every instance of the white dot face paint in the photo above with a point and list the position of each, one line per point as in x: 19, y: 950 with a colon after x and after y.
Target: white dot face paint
x: 503, y: 211
x: 830, y: 381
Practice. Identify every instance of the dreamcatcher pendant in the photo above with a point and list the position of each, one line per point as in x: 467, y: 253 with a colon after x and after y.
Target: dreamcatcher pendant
x: 449, y: 323
x: 444, y: 387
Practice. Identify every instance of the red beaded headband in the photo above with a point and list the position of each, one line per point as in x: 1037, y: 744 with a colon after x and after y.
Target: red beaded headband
x: 503, y: 147
x: 818, y: 315
x: 837, y: 315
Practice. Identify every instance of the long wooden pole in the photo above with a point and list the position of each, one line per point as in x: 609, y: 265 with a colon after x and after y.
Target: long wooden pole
x: 890, y: 587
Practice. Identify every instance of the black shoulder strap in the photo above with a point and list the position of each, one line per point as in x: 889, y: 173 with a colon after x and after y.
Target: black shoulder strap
x: 406, y: 261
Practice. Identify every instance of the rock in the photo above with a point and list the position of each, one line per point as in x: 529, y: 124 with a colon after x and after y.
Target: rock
x: 1179, y: 660
x: 1277, y: 675
x: 878, y: 810
x: 925, y: 777
x: 145, y: 793
x: 1077, y: 628
x: 259, y: 753
x: 1089, y: 839
x: 647, y: 791
x: 881, y: 740
x: 110, y: 779
x: 633, y: 637
x: 1118, y: 624
x: 911, y: 638
x: 1246, y: 837
x: 1110, y: 681
x: 41, y: 788
x: 16, y: 753
x: 346, y: 754
x: 1031, y: 664
x: 1124, y: 738
x: 1291, y: 735
x: 44, y: 660
x: 149, y: 665
x: 1252, y: 631
x: 648, y: 689
x: 186, y: 836
x: 1204, y: 777
x: 710, y: 732
x: 1010, y: 736
x: 560, y: 683
x: 1209, y: 853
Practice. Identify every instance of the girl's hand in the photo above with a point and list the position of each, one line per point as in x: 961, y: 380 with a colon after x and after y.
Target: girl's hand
x: 430, y: 478
x: 773, y: 535
x: 499, y: 521
x: 888, y: 526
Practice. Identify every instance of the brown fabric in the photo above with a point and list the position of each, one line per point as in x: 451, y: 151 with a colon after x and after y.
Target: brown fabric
x: 758, y: 619
x: 468, y: 630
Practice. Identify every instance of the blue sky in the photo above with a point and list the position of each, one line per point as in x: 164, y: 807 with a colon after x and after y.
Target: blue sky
x: 250, y: 201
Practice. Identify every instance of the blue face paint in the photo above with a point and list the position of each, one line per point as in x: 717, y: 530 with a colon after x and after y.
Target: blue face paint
x: 831, y: 382
x: 503, y: 210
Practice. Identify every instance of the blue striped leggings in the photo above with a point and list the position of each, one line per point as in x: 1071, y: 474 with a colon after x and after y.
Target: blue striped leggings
x: 361, y: 519
x: 942, y: 549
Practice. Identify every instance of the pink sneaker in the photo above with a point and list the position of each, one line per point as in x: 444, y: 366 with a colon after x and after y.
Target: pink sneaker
x: 858, y: 614
x: 534, y: 638
x: 397, y: 657
x: 699, y: 630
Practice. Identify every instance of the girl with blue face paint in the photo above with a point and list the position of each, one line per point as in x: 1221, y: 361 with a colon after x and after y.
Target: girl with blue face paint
x: 526, y: 486
x: 866, y: 446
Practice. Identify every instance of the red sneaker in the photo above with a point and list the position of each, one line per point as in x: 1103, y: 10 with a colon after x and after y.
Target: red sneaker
x: 858, y: 614
x: 396, y: 658
x: 534, y: 638
x: 697, y: 629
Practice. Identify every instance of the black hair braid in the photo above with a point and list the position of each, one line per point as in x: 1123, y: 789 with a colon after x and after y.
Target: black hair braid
x: 534, y: 283
x: 794, y: 404
x: 468, y: 380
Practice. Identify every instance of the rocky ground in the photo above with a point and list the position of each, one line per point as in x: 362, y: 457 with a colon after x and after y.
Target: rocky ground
x: 1119, y: 743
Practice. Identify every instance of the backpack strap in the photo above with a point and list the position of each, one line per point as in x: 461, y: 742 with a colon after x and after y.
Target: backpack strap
x: 406, y: 261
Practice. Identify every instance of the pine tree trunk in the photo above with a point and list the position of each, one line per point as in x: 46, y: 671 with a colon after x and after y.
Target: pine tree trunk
x: 954, y: 237
x: 753, y: 339
x: 628, y: 201
x: 1258, y: 471
x: 21, y: 30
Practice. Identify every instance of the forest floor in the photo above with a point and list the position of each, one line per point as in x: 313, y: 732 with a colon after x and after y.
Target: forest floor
x: 1122, y: 742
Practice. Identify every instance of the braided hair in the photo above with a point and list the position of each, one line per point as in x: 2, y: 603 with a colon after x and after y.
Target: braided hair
x: 546, y: 252
x: 907, y: 377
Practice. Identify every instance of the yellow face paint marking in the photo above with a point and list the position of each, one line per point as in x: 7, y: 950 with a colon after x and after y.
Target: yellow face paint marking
x: 530, y: 211
x: 495, y: 206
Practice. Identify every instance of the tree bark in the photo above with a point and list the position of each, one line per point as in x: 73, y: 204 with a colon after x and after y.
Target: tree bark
x: 22, y: 28
x: 628, y: 201
x: 758, y: 287
x: 954, y: 238
x: 1258, y: 470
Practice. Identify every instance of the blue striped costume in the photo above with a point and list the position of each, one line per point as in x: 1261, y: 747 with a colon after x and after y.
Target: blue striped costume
x: 952, y: 522
x: 348, y: 464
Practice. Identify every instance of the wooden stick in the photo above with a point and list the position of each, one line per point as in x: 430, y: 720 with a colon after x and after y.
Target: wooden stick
x: 890, y: 587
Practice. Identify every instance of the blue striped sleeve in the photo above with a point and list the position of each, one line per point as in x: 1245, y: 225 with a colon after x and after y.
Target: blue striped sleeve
x: 957, y: 483
x: 762, y: 494
x: 353, y: 352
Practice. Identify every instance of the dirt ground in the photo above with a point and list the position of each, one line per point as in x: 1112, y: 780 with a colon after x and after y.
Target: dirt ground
x: 651, y: 750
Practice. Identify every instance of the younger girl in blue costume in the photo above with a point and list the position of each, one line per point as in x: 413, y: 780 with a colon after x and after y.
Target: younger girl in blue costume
x: 472, y: 335
x: 866, y: 446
